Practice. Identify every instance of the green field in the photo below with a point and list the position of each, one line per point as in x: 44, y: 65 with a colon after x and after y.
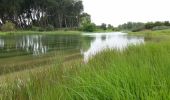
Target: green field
x: 137, y: 73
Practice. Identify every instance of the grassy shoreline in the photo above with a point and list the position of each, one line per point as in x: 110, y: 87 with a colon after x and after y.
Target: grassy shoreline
x: 38, y: 32
x: 139, y: 72
x: 150, y: 32
x: 50, y: 32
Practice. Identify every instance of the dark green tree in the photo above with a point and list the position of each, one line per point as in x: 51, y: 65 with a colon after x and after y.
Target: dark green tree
x: 103, y: 26
x: 41, y: 13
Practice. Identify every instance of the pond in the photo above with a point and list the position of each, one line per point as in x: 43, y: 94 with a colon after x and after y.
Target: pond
x: 18, y: 50
x: 36, y: 45
x: 115, y: 40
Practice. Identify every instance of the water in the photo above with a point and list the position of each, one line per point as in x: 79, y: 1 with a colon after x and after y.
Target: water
x: 118, y: 41
x: 87, y: 45
x: 36, y: 45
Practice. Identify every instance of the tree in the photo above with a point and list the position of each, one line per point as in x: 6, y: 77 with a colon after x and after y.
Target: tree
x: 103, y: 26
x: 166, y: 23
x: 89, y: 27
x: 149, y: 25
x: 42, y: 13
x: 85, y: 18
x: 110, y: 26
x: 132, y: 26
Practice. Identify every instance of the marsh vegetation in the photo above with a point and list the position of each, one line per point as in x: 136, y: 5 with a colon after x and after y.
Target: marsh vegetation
x: 49, y: 50
x: 122, y: 72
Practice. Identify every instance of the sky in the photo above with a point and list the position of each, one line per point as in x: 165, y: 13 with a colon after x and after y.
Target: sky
x: 117, y: 12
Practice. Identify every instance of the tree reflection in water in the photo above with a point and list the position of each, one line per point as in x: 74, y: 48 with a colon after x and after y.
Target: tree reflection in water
x: 32, y: 43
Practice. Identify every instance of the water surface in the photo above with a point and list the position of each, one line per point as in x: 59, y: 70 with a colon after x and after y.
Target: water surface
x: 115, y: 40
x: 30, y: 50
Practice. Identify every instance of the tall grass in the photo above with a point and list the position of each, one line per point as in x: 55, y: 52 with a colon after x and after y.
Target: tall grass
x: 137, y: 73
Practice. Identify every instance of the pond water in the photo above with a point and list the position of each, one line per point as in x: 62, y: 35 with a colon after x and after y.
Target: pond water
x: 103, y: 41
x: 87, y: 44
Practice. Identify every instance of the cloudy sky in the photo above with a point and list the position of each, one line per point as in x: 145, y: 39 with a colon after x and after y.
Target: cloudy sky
x: 117, y: 12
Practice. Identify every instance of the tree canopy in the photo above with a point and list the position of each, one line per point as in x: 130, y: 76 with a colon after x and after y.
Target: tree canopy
x: 42, y: 13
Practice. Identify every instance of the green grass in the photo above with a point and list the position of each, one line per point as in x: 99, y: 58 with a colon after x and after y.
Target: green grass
x: 50, y: 32
x: 155, y: 36
x: 150, y: 32
x: 137, y: 73
x: 44, y: 32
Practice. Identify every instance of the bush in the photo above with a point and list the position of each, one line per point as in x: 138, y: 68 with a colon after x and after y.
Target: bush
x: 103, y: 26
x: 90, y: 27
x: 137, y: 29
x: 35, y: 28
x: 50, y: 28
x: 8, y: 26
x: 42, y: 29
x: 47, y: 28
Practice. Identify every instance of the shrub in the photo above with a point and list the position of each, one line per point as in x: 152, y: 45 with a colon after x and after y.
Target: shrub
x: 89, y: 27
x: 50, y: 28
x: 42, y: 29
x: 35, y: 28
x: 103, y: 26
x: 8, y: 26
x: 137, y: 29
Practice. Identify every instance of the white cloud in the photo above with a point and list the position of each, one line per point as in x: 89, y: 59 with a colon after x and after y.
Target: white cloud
x: 121, y: 11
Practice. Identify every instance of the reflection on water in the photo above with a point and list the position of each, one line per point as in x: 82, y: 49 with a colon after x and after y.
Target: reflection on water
x: 2, y: 43
x: 116, y: 40
x: 35, y: 45
x: 88, y: 44
x: 32, y: 43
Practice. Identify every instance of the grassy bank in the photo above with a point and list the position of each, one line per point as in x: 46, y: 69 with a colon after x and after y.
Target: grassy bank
x: 50, y: 32
x: 153, y: 36
x: 138, y: 73
x: 150, y: 32
x: 38, y: 32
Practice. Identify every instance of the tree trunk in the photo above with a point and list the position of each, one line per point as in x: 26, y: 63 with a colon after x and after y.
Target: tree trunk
x: 66, y: 23
x: 60, y: 20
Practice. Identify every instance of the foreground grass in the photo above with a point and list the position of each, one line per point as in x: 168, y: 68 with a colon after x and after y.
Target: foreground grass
x: 138, y: 73
x: 38, y: 32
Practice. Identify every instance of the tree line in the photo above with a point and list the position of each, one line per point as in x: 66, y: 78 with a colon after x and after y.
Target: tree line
x: 138, y: 26
x: 41, y: 13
